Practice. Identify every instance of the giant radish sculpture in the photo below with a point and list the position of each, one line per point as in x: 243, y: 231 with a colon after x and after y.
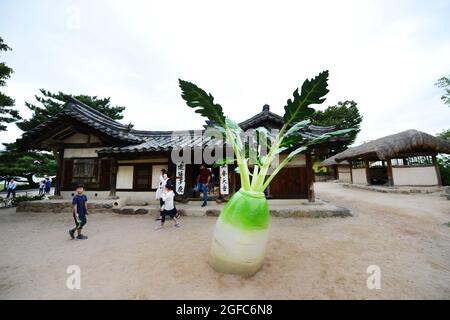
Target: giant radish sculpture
x: 240, y: 236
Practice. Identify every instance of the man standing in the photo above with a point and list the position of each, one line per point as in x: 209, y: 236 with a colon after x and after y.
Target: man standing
x: 11, y: 188
x: 203, y: 180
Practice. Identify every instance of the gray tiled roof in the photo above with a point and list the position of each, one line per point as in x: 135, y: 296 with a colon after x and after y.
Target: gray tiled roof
x: 90, y: 117
x: 132, y: 140
x: 168, y: 140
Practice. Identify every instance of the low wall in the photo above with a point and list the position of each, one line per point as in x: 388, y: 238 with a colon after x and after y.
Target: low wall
x: 53, y: 206
x: 415, y: 176
x: 91, y: 195
x: 132, y: 196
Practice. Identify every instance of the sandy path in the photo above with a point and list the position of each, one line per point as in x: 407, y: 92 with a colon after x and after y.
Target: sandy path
x: 307, y: 258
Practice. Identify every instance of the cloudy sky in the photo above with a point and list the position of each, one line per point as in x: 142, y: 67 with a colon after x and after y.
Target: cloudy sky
x: 386, y: 55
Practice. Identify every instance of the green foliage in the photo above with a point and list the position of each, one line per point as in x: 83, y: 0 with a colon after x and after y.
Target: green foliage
x: 16, y: 163
x: 445, y: 134
x: 297, y: 113
x: 444, y: 83
x: 52, y: 103
x: 7, y: 113
x: 202, y: 102
x: 444, y: 167
x: 444, y: 160
x: 344, y: 115
x: 313, y: 92
x: 15, y: 201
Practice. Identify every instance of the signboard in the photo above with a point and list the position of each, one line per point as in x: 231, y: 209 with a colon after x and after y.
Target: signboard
x: 224, y: 183
x: 180, y: 180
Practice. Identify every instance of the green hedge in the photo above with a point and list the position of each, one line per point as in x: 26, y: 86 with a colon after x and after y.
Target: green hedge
x: 15, y: 201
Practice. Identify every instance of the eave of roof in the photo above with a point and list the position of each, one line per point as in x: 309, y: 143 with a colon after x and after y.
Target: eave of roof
x: 409, y: 141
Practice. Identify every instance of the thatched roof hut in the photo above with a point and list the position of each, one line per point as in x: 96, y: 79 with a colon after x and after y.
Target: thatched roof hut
x: 331, y: 161
x: 407, y: 158
x: 409, y: 141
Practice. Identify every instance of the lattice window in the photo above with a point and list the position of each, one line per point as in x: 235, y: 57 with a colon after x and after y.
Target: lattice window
x: 85, y: 171
x: 413, y: 161
x: 358, y: 164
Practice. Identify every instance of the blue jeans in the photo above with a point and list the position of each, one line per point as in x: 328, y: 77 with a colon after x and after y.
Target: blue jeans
x: 202, y: 187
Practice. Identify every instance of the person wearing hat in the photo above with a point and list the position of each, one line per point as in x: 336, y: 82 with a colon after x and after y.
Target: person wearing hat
x: 168, y: 208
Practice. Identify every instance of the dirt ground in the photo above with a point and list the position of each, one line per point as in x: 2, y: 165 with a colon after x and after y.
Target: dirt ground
x: 322, y: 258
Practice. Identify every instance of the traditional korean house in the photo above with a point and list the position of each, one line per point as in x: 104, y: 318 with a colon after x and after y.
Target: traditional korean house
x: 338, y: 170
x: 113, y: 160
x: 407, y: 158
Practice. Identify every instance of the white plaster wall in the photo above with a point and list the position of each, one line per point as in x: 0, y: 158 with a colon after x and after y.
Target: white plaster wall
x: 77, y: 138
x: 94, y: 138
x: 82, y: 138
x: 344, y: 176
x: 415, y: 176
x: 147, y: 196
x: 80, y: 153
x: 89, y: 194
x: 359, y: 176
x: 297, y: 161
x: 124, y: 177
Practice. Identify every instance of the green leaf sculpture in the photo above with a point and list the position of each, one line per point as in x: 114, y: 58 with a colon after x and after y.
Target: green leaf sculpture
x: 240, y: 235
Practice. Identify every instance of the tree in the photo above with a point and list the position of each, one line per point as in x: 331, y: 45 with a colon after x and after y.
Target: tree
x: 52, y: 103
x: 16, y: 163
x: 444, y: 83
x: 445, y: 134
x: 444, y: 160
x: 7, y: 113
x: 344, y: 115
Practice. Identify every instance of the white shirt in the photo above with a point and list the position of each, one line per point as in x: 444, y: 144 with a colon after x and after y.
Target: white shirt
x: 12, y: 185
x: 168, y: 200
x: 162, y: 184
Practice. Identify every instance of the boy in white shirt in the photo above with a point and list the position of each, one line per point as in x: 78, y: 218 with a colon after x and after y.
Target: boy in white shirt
x: 168, y: 208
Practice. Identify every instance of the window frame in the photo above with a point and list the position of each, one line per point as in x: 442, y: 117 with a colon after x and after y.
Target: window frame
x: 149, y: 177
x: 96, y: 172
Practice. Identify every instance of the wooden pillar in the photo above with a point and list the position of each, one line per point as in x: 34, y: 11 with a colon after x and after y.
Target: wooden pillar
x: 310, y: 177
x: 351, y: 172
x: 113, y: 178
x: 366, y: 162
x: 438, y: 173
x: 59, y: 158
x: 389, y: 172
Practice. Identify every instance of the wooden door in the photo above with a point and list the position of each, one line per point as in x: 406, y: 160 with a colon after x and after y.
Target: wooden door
x: 289, y: 183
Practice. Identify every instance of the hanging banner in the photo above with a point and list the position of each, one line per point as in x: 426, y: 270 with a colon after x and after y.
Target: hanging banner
x: 224, y: 183
x: 180, y: 180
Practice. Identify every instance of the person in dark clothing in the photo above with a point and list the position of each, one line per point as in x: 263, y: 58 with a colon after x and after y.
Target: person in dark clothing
x: 48, y: 185
x: 79, y: 203
x: 203, y: 179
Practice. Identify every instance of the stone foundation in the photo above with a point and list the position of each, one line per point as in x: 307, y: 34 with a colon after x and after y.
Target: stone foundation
x: 278, y: 208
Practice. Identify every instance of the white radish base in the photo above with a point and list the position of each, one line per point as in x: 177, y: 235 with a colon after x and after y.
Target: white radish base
x: 237, y: 251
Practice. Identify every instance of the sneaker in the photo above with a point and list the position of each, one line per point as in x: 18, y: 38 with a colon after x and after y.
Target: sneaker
x: 159, y: 227
x: 204, y: 204
x: 72, y: 234
x: 81, y: 237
